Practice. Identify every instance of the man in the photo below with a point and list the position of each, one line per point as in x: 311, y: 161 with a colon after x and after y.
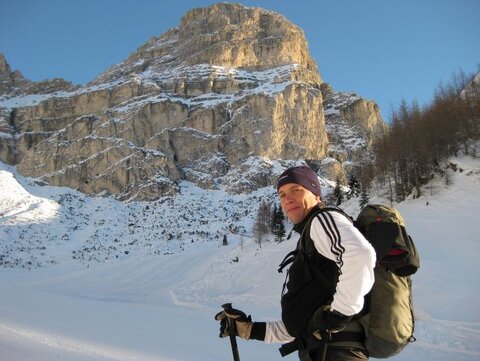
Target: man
x: 330, y: 273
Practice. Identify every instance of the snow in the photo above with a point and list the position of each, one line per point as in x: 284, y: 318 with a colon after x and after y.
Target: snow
x: 158, y: 306
x: 23, y: 100
x: 26, y: 100
x: 268, y: 82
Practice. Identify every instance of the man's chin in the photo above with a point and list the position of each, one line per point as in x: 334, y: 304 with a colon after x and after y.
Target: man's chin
x: 295, y: 217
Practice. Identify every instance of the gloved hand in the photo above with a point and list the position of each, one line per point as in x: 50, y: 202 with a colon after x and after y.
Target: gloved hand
x: 243, y: 324
x: 327, y: 321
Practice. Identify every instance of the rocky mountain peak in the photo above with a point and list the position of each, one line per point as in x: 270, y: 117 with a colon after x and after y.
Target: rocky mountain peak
x: 223, y: 101
x: 13, y: 83
x: 232, y: 35
x: 9, y: 80
x: 222, y: 35
x: 4, y: 67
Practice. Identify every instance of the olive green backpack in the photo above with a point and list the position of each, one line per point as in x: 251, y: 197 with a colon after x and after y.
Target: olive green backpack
x: 388, y: 319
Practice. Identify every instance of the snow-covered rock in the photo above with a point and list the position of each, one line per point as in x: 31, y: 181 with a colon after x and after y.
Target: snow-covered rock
x: 229, y: 83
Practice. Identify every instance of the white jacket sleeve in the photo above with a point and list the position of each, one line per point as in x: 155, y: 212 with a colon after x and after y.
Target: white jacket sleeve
x: 335, y: 237
x: 277, y: 332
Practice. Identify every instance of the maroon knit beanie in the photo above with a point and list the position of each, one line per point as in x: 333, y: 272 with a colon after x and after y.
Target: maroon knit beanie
x: 302, y: 175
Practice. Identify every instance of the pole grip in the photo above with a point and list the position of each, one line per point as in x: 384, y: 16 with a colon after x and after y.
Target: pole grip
x: 232, y: 332
x: 227, y: 306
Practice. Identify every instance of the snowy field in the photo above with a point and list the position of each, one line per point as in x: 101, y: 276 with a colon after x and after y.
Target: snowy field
x: 160, y: 305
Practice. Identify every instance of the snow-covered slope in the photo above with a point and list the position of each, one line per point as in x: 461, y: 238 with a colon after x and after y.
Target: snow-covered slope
x: 43, y: 224
x: 157, y: 303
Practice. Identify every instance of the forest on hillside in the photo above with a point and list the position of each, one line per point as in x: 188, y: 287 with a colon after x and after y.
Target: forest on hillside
x: 420, y: 140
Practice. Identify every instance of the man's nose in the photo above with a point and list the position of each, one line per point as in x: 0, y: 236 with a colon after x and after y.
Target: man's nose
x: 287, y: 199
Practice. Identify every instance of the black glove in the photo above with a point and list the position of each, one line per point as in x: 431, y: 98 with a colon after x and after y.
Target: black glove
x: 243, y: 324
x: 327, y: 321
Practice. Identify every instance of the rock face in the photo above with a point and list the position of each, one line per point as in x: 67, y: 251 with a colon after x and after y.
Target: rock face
x: 352, y: 123
x: 9, y: 80
x: 202, y: 102
x: 13, y: 83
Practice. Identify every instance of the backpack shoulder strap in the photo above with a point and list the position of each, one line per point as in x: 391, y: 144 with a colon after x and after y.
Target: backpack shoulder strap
x: 306, y: 247
x: 338, y: 210
x: 305, y: 236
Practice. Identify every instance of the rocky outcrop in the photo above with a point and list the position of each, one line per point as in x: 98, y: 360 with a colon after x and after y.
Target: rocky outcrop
x: 332, y: 169
x: 228, y: 87
x: 352, y: 123
x: 13, y: 83
x: 471, y: 91
x: 227, y: 35
x: 10, y: 80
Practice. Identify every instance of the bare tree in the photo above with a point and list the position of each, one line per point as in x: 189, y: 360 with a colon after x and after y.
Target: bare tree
x: 420, y: 140
x: 262, y: 223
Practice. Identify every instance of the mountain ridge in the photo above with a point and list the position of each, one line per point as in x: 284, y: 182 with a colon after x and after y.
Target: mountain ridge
x: 239, y: 83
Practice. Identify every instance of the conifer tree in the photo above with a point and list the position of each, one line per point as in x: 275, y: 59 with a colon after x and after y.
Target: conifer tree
x: 338, y: 193
x: 364, y: 197
x: 278, y: 226
x: 354, y: 186
x: 273, y: 220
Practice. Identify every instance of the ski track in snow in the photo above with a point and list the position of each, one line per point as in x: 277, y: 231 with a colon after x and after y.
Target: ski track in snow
x: 60, y: 346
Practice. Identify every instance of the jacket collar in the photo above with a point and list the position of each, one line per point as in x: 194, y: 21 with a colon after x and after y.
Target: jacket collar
x: 300, y: 226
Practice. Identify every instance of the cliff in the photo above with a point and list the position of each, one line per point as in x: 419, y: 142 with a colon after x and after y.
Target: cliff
x: 230, y: 86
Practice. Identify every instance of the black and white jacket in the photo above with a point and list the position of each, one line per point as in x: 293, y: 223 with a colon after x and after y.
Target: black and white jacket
x: 336, y: 239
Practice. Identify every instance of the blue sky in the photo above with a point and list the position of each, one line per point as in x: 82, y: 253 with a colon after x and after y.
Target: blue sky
x: 383, y: 50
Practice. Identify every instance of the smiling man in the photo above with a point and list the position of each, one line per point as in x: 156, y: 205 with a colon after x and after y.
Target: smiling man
x: 331, y: 270
x: 299, y: 191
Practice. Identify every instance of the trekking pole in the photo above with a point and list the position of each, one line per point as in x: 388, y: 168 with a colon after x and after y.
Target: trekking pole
x: 231, y: 331
x: 323, y: 351
x: 323, y: 348
x: 324, y: 338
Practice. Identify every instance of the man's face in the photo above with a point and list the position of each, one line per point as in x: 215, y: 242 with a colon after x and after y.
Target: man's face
x: 296, y: 201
